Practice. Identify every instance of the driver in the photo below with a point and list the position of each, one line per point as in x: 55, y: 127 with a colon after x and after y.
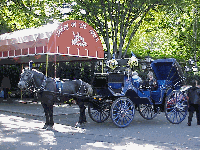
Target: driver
x: 136, y: 79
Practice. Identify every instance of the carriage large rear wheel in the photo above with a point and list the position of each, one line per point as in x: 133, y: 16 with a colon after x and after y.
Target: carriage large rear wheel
x: 176, y: 107
x: 147, y: 111
x: 122, y: 111
x: 99, y: 113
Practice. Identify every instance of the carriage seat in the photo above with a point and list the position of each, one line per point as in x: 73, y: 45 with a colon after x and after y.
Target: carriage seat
x: 156, y: 95
x: 116, y: 81
x: 161, y: 83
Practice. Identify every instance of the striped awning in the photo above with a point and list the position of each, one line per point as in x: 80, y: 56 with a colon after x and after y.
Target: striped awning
x: 68, y: 41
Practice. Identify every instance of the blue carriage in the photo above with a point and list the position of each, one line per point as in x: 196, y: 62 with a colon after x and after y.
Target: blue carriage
x: 118, y: 95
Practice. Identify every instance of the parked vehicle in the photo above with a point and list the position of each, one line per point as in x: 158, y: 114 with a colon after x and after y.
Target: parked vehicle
x: 116, y: 95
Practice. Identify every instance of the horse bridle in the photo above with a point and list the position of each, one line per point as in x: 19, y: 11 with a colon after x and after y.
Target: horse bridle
x: 31, y: 80
x: 27, y: 83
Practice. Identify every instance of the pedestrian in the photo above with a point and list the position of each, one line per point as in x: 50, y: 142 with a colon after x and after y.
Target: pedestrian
x: 5, y: 85
x: 1, y: 93
x: 194, y: 102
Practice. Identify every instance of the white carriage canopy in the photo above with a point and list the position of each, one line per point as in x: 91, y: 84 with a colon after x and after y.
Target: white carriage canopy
x: 68, y: 41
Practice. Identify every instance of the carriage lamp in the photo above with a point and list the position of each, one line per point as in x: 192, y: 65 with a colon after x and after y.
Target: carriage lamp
x: 98, y: 98
x: 133, y: 61
x: 112, y: 64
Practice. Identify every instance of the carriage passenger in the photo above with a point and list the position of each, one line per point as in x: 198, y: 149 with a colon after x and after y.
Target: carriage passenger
x: 152, y: 81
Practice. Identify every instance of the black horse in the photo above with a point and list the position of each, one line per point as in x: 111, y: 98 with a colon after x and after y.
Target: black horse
x: 49, y: 89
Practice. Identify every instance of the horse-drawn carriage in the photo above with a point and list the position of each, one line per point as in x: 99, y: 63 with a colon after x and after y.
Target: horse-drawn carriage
x: 117, y: 95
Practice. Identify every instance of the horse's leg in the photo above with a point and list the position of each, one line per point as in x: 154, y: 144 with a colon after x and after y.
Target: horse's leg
x: 51, y: 123
x: 82, y: 117
x: 82, y: 114
x: 48, y: 101
x: 45, y: 107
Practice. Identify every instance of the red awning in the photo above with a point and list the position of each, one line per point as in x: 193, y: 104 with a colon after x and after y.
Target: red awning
x: 68, y: 41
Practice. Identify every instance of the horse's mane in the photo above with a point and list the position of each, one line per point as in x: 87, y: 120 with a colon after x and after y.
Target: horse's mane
x: 89, y: 88
x: 37, y: 71
x: 34, y: 70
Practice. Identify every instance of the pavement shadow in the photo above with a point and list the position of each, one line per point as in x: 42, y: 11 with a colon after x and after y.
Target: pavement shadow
x: 23, y: 133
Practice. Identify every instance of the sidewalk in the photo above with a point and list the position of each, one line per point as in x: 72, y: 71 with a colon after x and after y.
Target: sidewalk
x: 35, y: 109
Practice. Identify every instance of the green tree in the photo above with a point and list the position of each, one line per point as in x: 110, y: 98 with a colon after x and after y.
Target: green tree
x: 169, y: 32
x: 113, y: 20
x: 22, y: 14
x: 165, y: 28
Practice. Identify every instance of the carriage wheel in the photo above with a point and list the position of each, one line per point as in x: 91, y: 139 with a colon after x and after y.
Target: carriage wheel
x: 122, y: 111
x: 176, y: 107
x: 99, y: 114
x: 147, y: 111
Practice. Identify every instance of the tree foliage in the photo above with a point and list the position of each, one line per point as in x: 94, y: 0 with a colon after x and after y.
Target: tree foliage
x: 170, y: 32
x: 114, y: 20
x: 166, y: 28
x: 22, y: 14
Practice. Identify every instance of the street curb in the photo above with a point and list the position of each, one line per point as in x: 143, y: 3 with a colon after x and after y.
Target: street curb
x: 20, y: 113
x: 59, y: 109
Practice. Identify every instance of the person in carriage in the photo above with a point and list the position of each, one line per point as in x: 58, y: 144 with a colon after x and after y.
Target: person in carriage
x: 152, y: 81
x: 136, y: 77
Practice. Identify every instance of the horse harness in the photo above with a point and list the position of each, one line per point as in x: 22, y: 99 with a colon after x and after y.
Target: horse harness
x: 81, y: 90
x: 59, y: 86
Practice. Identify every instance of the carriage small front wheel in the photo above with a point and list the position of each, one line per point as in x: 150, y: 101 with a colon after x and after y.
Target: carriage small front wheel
x: 122, y: 111
x: 147, y: 111
x: 176, y: 107
x: 99, y: 113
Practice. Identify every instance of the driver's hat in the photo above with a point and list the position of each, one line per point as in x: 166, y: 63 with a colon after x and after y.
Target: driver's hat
x: 134, y: 73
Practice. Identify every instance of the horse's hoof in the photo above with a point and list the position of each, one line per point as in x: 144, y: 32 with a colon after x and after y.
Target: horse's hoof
x: 45, y: 126
x: 80, y: 125
x: 50, y: 128
x: 77, y: 125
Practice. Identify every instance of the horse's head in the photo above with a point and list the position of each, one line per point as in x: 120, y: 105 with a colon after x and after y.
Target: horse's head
x: 26, y: 79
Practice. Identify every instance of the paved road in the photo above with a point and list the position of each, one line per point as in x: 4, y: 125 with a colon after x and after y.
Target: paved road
x: 20, y: 128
